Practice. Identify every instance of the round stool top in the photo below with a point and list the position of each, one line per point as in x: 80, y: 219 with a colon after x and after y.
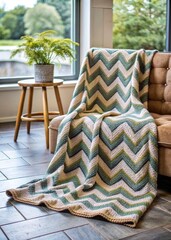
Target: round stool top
x: 32, y: 83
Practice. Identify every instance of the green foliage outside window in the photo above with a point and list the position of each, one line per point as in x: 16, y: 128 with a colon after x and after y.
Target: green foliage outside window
x: 139, y: 24
x: 44, y: 15
x: 19, y: 29
x: 41, y: 18
x: 12, y: 23
x: 63, y: 7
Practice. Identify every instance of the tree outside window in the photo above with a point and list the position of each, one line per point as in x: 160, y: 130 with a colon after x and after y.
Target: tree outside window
x: 139, y: 24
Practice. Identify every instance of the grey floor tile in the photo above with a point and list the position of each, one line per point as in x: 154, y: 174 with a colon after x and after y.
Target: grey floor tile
x: 4, y: 200
x: 112, y: 231
x: 2, y: 177
x: 54, y: 236
x: 168, y: 227
x: 39, y: 158
x: 164, y: 195
x: 85, y: 232
x: 30, y: 211
x: 153, y: 218
x: 37, y: 145
x: 17, y: 145
x: 18, y: 153
x: 5, y: 140
x: 16, y: 162
x: 2, y: 236
x: 3, y: 156
x: 9, y: 215
x: 25, y: 171
x: 9, y: 134
x: 166, y: 207
x: 25, y: 139
x: 22, y: 138
x: 154, y: 234
x: 5, y: 147
x: 14, y: 183
x: 42, y: 226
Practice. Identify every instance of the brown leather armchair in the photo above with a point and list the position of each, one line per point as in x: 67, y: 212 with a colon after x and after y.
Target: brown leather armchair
x: 159, y: 105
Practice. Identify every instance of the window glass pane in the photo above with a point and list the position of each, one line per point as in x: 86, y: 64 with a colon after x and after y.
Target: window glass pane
x: 139, y: 24
x: 18, y: 18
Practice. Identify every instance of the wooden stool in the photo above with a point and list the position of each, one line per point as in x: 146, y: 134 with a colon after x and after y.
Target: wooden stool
x: 37, y: 116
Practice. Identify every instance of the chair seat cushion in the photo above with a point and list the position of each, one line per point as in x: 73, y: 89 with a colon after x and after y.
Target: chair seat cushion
x: 163, y: 123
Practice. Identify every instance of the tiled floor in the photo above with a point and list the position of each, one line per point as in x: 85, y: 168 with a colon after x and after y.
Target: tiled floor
x: 28, y: 159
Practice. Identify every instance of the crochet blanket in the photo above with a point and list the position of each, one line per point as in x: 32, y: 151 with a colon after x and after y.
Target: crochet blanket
x: 106, y: 156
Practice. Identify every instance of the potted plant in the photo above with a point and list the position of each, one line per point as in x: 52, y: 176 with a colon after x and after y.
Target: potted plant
x: 42, y: 50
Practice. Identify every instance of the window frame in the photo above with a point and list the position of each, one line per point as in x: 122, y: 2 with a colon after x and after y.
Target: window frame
x: 75, y: 36
x: 168, y: 26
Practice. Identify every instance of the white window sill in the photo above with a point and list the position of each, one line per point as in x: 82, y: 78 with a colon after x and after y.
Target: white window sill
x: 14, y: 86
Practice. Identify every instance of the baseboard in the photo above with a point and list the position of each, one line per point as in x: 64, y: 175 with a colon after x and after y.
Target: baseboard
x: 7, y: 119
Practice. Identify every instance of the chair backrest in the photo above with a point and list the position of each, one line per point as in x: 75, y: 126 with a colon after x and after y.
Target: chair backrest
x: 160, y: 84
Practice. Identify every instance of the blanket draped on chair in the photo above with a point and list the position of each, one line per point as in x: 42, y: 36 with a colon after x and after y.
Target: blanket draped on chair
x: 106, y: 156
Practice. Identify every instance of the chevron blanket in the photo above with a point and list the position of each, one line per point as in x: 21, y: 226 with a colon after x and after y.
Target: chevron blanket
x: 106, y: 156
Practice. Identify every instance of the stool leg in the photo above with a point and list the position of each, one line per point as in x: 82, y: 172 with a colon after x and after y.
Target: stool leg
x: 30, y: 101
x: 58, y: 100
x: 46, y: 115
x: 20, y: 110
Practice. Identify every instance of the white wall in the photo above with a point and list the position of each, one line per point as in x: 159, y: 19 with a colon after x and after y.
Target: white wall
x: 9, y: 99
x: 95, y: 30
x: 101, y: 23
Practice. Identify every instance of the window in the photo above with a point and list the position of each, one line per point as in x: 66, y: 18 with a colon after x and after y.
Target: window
x: 139, y: 24
x: 18, y: 18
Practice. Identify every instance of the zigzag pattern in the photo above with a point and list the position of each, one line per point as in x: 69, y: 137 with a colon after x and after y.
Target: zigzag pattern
x: 106, y: 156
